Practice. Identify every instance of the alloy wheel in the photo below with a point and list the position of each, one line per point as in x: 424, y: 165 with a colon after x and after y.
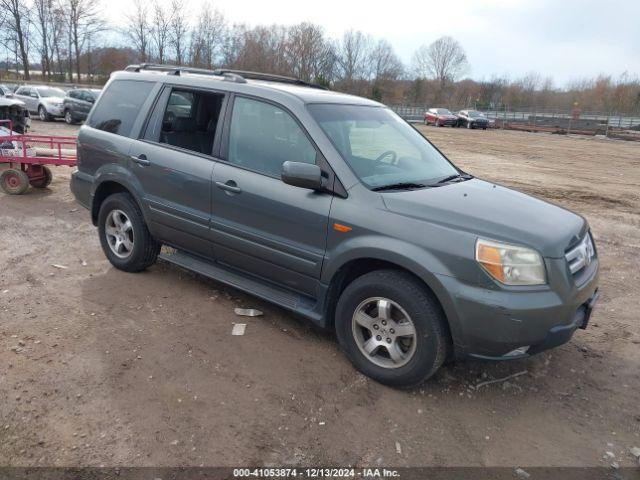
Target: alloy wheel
x: 384, y: 332
x: 119, y: 232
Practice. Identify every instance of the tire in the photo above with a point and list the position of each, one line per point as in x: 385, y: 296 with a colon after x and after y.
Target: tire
x: 43, y: 114
x: 144, y: 248
x: 68, y: 117
x: 43, y: 182
x: 407, y: 296
x: 14, y: 181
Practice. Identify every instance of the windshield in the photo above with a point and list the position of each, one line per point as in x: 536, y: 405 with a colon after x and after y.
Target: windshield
x: 476, y: 114
x: 380, y: 147
x: 50, y: 92
x: 444, y: 111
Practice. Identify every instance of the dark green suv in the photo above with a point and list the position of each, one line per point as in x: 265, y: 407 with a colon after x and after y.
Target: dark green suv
x: 331, y: 206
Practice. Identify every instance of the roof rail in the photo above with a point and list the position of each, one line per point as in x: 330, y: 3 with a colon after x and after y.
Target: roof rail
x: 238, y: 76
x: 269, y: 77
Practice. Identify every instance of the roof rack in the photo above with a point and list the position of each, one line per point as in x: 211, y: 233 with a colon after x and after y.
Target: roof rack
x: 238, y: 76
x: 269, y: 77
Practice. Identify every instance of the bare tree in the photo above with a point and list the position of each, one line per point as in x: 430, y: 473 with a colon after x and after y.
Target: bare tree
x: 16, y: 25
x: 353, y: 56
x: 385, y: 68
x: 137, y: 29
x: 44, y: 11
x: 310, y: 55
x: 207, y: 37
x: 84, y: 22
x: 160, y: 31
x: 384, y: 63
x: 443, y: 60
x: 57, y: 31
x: 178, y: 28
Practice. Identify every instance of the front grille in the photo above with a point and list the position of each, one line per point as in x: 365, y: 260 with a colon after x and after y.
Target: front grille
x: 581, y: 255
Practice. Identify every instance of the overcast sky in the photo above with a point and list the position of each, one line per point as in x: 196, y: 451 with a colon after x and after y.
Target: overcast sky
x: 564, y: 39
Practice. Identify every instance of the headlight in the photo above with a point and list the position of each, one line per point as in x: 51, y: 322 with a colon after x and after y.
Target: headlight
x: 511, y: 264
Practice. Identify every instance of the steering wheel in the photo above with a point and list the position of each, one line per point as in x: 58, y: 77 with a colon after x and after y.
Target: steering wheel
x: 388, y: 153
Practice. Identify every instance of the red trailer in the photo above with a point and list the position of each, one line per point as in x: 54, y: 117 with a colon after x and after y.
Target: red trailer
x: 28, y: 155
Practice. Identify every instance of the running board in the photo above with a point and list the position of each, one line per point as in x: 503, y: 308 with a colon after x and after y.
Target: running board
x: 296, y: 302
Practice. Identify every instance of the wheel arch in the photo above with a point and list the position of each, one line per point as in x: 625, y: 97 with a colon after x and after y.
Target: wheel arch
x: 110, y: 185
x: 354, y: 268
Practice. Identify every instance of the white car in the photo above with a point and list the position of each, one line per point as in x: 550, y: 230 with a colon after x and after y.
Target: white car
x: 46, y: 101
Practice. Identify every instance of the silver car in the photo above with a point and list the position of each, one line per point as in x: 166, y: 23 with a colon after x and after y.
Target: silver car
x: 46, y: 101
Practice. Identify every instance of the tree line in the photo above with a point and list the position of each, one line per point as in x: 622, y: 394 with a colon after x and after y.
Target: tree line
x: 70, y: 41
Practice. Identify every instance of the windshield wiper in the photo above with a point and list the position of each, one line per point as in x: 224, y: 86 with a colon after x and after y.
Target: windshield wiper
x: 398, y: 186
x: 455, y: 176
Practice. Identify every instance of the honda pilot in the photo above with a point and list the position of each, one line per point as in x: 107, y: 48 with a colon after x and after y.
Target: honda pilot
x: 333, y: 207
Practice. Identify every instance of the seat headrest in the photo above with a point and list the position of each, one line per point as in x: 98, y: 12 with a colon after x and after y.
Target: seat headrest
x: 184, y: 124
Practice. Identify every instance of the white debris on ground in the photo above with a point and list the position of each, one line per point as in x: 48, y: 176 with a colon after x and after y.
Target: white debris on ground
x: 248, y: 312
x: 238, y: 328
x: 522, y: 473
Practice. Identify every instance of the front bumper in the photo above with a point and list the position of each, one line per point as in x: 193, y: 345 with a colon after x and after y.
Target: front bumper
x: 497, y: 324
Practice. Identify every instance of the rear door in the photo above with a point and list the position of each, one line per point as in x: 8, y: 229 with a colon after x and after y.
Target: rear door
x: 260, y: 224
x: 174, y: 161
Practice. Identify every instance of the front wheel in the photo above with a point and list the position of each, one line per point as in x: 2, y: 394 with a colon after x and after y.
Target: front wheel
x: 392, y: 328
x: 124, y: 235
x: 43, y: 114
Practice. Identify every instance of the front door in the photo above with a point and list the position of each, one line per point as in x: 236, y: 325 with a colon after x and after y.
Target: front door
x: 174, y: 163
x: 260, y: 224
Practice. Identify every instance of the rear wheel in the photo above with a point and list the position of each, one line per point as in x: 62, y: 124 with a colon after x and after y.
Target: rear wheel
x: 392, y: 328
x: 43, y: 182
x: 14, y: 181
x: 124, y: 236
x: 68, y: 117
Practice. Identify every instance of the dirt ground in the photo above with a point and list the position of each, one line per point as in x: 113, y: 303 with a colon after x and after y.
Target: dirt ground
x: 101, y: 367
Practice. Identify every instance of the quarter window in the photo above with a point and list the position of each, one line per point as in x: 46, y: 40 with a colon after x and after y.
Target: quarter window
x: 262, y: 137
x: 119, y: 106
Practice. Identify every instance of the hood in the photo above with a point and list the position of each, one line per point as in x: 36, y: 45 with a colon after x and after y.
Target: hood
x: 10, y: 102
x: 493, y: 212
x: 52, y: 99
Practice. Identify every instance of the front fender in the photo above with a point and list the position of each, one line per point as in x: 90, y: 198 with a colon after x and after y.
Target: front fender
x: 410, y: 257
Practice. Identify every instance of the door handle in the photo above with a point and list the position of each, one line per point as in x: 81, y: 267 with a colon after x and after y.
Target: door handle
x: 141, y: 160
x: 230, y: 186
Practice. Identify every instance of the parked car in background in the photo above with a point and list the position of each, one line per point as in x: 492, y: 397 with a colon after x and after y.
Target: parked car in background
x: 6, y: 91
x: 472, y: 119
x: 440, y: 117
x: 43, y: 100
x: 77, y: 104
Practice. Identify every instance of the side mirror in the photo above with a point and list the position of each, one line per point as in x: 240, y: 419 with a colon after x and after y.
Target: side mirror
x: 303, y: 175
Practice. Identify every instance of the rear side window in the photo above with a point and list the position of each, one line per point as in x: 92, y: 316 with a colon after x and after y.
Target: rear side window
x: 119, y: 106
x: 262, y: 137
